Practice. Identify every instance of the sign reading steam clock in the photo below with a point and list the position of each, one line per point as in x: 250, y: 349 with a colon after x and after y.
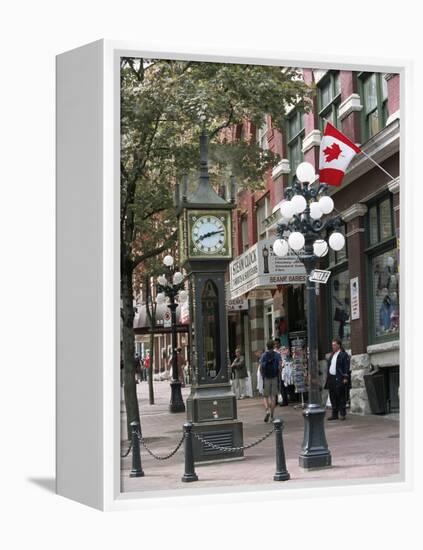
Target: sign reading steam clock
x: 205, y: 239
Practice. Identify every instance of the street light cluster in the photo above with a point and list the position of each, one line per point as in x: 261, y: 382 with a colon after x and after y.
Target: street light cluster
x: 302, y: 214
x: 302, y: 230
x: 171, y: 292
x: 175, y: 286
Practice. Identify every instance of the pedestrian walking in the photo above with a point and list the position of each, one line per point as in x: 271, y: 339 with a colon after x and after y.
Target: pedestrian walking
x: 241, y: 374
x: 137, y: 368
x: 337, y: 380
x: 143, y: 370
x: 270, y: 368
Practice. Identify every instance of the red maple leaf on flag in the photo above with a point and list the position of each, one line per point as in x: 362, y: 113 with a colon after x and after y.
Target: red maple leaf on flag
x: 332, y: 152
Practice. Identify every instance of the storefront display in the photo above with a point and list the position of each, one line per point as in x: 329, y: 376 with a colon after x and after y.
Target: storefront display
x: 299, y: 364
x: 385, y: 282
x: 340, y: 307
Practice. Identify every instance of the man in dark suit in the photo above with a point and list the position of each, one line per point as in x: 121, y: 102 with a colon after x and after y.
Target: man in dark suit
x: 337, y: 380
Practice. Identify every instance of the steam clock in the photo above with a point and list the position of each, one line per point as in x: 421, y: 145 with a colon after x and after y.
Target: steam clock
x: 205, y: 237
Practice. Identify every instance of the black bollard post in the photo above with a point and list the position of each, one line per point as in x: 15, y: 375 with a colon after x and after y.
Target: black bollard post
x: 189, y: 474
x: 137, y: 470
x: 281, y: 471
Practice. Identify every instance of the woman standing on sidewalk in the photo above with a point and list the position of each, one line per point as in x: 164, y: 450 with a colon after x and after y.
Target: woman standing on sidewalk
x: 241, y: 373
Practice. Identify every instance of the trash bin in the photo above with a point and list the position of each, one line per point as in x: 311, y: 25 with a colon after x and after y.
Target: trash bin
x: 377, y: 391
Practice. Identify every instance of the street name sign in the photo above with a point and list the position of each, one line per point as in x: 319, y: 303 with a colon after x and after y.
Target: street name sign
x: 320, y: 276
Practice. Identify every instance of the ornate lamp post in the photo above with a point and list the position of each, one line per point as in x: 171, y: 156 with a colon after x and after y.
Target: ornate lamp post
x: 173, y: 290
x: 302, y: 231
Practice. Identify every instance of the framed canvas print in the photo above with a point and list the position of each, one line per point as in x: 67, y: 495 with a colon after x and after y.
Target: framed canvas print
x: 230, y: 302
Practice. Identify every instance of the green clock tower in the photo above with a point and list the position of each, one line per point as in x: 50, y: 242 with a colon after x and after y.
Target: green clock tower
x: 205, y: 240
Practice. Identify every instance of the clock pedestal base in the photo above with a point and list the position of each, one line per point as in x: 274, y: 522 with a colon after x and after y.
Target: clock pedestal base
x: 212, y: 410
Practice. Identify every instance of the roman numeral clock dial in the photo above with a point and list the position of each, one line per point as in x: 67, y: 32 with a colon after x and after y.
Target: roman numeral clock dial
x: 208, y: 235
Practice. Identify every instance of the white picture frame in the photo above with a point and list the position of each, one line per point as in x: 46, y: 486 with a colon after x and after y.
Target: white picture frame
x: 88, y: 302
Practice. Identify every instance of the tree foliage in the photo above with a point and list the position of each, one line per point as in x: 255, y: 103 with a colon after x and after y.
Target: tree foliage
x: 164, y: 106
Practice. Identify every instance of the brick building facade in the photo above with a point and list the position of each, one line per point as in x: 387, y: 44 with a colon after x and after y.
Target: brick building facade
x: 365, y: 107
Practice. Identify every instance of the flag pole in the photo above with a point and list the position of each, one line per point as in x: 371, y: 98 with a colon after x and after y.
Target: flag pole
x: 378, y: 165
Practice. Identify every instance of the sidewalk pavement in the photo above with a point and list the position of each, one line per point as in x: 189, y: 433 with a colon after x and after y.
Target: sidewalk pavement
x: 362, y: 447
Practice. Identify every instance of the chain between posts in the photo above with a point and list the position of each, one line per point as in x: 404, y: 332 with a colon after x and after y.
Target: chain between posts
x: 150, y: 452
x: 127, y: 452
x: 233, y: 449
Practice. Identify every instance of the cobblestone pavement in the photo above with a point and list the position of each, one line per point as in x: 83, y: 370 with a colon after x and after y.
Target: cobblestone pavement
x: 361, y: 447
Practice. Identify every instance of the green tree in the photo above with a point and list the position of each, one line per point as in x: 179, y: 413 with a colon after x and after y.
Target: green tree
x: 164, y: 105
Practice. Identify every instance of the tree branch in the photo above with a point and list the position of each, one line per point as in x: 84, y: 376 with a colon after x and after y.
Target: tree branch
x: 151, y: 253
x: 224, y: 125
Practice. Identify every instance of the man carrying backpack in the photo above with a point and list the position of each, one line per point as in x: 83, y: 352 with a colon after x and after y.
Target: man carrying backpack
x: 270, y: 369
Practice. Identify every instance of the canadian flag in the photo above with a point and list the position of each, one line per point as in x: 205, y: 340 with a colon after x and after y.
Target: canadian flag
x: 336, y: 152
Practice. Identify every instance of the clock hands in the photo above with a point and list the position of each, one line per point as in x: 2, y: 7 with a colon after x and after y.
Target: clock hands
x: 210, y: 234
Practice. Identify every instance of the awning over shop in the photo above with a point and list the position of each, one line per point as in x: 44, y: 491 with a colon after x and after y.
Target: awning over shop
x: 259, y: 268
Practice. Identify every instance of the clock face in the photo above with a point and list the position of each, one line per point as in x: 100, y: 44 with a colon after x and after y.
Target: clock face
x: 208, y: 234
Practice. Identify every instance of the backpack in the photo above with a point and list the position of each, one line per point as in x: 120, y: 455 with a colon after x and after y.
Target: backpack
x: 270, y: 364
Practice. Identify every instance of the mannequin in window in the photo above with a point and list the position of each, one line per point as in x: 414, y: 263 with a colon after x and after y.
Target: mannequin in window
x: 395, y: 311
x: 385, y: 311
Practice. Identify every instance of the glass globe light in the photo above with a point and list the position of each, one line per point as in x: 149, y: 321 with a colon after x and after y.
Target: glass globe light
x: 337, y: 241
x: 160, y: 298
x: 183, y: 296
x: 326, y: 204
x: 168, y: 260
x: 161, y: 310
x: 287, y: 210
x: 390, y: 261
x: 305, y: 172
x: 162, y: 280
x: 296, y: 240
x: 299, y: 203
x: 320, y: 248
x: 315, y: 211
x: 177, y: 278
x: 280, y: 247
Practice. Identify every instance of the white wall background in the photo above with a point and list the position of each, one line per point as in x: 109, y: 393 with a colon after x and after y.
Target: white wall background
x: 31, y: 34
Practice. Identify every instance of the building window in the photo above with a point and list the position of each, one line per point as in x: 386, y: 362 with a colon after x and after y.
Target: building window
x: 380, y: 221
x: 336, y: 258
x: 295, y: 135
x: 374, y: 94
x: 383, y: 271
x: 244, y: 234
x: 263, y: 210
x: 329, y: 98
x: 268, y: 321
x: 384, y: 275
x: 339, y: 294
x: 340, y: 307
x: 261, y: 135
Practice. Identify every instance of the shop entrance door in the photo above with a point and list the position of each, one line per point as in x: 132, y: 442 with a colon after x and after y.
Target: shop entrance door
x: 296, y: 308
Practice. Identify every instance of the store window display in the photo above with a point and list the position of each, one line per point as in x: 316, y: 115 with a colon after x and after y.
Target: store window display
x: 340, y: 307
x: 385, y: 294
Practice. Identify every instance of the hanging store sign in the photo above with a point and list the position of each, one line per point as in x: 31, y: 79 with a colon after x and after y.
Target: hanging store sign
x: 259, y: 268
x: 355, y: 299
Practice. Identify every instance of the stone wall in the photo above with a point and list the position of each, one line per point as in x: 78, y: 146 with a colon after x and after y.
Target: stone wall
x: 360, y: 365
